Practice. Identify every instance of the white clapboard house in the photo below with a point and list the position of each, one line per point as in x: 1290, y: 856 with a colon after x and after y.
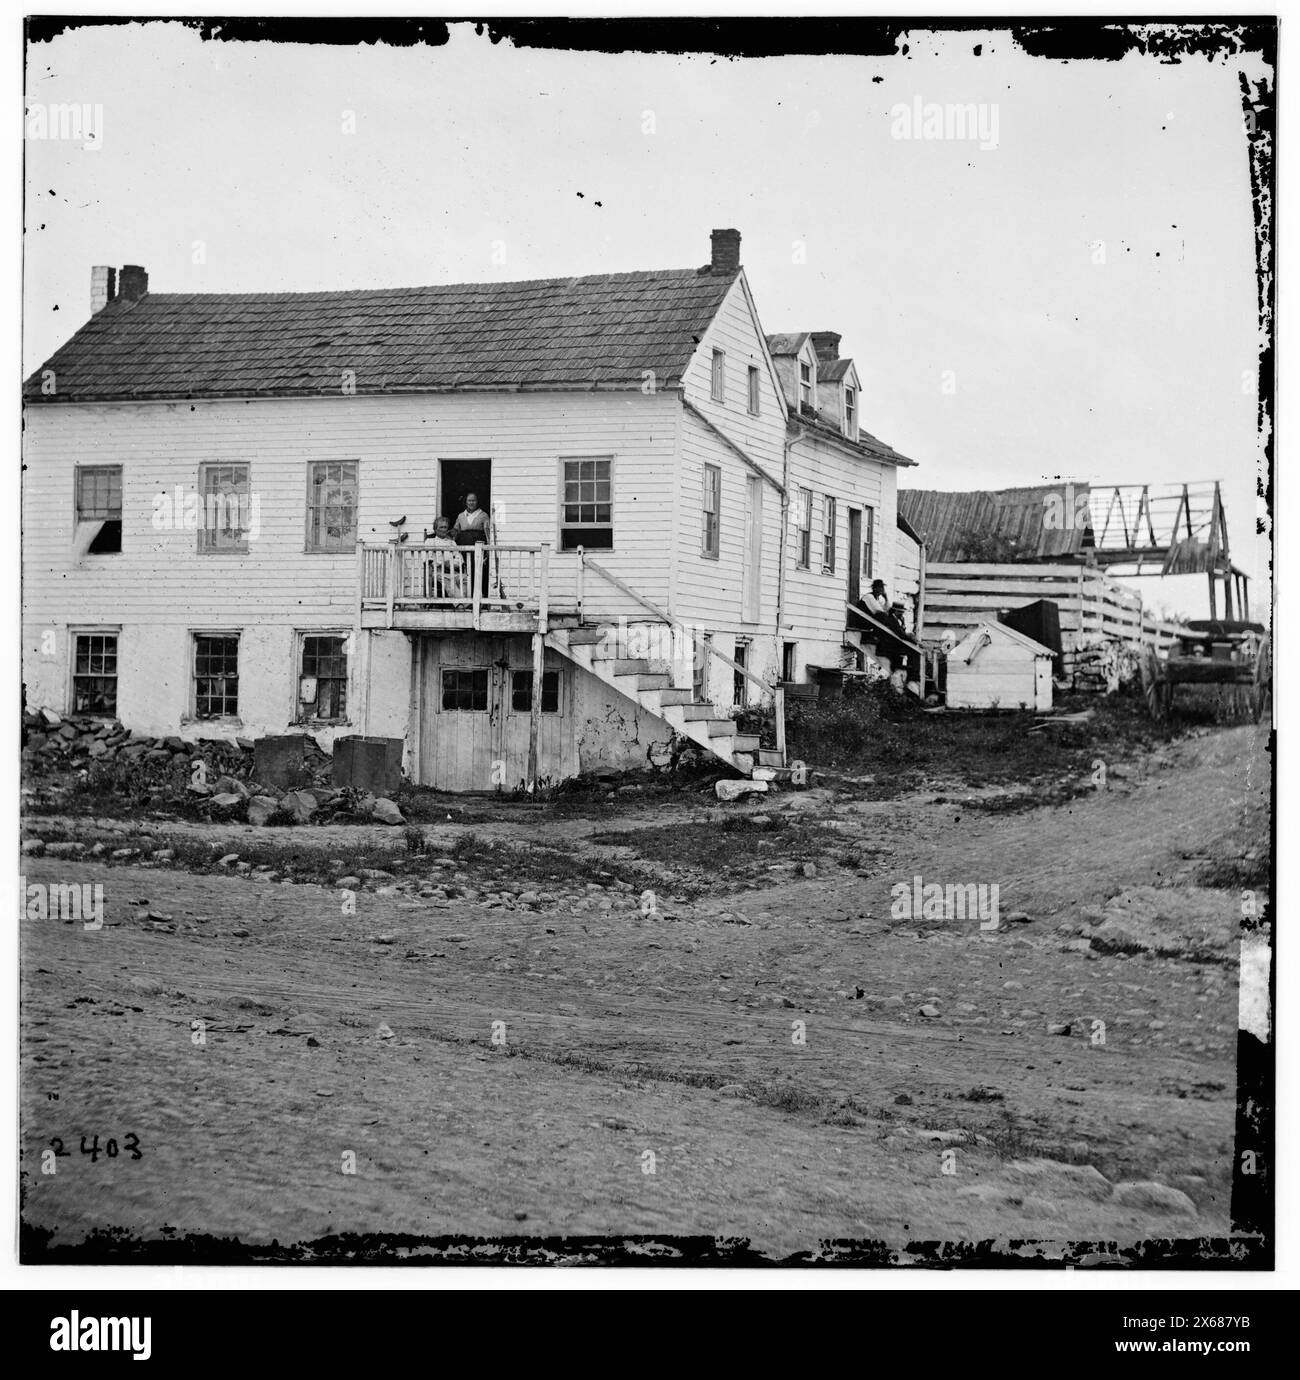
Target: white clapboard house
x: 227, y: 500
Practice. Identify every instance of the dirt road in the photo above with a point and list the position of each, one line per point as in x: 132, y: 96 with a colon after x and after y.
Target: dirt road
x: 298, y: 1060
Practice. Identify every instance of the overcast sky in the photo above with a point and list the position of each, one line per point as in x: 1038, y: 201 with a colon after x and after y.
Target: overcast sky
x: 994, y: 347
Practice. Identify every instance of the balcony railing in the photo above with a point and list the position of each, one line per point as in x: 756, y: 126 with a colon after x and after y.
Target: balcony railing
x: 430, y: 577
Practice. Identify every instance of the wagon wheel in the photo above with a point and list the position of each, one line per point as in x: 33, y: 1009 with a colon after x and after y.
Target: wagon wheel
x: 1155, y: 692
x: 1262, y: 688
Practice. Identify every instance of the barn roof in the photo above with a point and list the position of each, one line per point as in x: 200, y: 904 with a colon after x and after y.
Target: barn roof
x: 605, y: 330
x: 1018, y: 517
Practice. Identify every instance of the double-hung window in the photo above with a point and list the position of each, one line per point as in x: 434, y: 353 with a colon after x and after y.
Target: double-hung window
x: 718, y: 388
x: 224, y: 491
x: 829, y: 511
x: 99, y: 500
x: 803, y: 516
x: 216, y: 675
x: 712, y: 510
x: 331, y: 505
x: 587, y: 504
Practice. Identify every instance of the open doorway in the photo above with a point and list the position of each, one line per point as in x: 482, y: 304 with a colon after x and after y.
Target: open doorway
x: 456, y: 479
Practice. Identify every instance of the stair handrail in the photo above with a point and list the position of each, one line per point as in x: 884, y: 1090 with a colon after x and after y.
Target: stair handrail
x: 778, y: 694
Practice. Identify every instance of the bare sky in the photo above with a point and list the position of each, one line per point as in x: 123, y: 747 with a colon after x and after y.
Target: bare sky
x: 997, y: 344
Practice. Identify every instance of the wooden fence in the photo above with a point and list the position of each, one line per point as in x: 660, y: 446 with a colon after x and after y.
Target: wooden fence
x: 1094, y: 608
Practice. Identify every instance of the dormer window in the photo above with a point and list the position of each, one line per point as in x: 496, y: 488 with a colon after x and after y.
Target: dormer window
x: 805, y: 385
x: 850, y: 412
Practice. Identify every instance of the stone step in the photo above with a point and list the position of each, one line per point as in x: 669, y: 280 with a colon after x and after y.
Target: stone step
x: 623, y: 666
x: 698, y: 711
x: 580, y: 637
x: 721, y: 728
x: 746, y: 742
x: 769, y: 757
x: 676, y: 697
x: 646, y: 682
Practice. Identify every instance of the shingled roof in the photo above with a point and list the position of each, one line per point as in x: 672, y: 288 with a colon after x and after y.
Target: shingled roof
x: 565, y: 333
x: 1015, y: 518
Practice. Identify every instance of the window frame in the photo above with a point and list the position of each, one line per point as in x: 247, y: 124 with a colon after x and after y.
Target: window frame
x: 231, y: 634
x: 111, y: 630
x: 299, y: 646
x: 868, y: 559
x: 808, y: 385
x: 755, y: 398
x: 564, y: 526
x: 206, y: 546
x: 850, y: 412
x: 711, y: 552
x: 830, y: 532
x: 803, y: 556
x: 78, y: 471
x: 527, y: 671
x: 347, y: 547
x: 718, y: 376
x: 473, y: 672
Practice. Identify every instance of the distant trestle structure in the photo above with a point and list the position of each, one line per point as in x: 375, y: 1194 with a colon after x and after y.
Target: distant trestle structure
x: 991, y: 552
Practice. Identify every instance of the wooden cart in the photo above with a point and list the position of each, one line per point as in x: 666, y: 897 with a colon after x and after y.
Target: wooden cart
x: 1212, y: 651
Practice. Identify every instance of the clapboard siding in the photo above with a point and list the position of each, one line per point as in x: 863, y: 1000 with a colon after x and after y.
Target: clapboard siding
x: 160, y: 580
x: 814, y: 613
x: 708, y: 592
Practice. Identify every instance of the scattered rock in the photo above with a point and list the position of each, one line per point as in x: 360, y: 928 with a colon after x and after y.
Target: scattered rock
x: 299, y: 806
x: 930, y: 1012
x: 348, y: 883
x: 1059, y: 1028
x: 386, y: 812
x: 1153, y: 1197
x: 34, y: 847
x: 225, y: 860
x: 261, y: 808
x: 384, y: 1031
x: 1054, y: 1180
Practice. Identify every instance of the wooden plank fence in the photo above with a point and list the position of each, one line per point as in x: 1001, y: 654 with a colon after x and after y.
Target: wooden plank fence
x: 1094, y: 608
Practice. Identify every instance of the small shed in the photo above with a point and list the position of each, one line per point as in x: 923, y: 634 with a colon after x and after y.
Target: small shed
x: 996, y: 667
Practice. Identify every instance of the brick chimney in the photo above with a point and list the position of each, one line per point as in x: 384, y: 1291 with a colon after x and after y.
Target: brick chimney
x: 726, y: 251
x: 134, y: 282
x: 827, y: 345
x: 103, y: 287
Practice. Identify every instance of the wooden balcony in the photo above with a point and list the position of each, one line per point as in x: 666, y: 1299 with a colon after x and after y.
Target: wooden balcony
x: 423, y: 586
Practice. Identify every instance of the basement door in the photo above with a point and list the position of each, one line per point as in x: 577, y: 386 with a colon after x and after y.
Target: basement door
x: 474, y: 701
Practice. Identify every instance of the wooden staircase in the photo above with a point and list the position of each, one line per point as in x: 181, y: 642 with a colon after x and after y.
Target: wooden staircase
x: 702, y: 723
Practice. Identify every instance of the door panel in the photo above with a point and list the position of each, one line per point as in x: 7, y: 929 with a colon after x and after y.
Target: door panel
x: 471, y: 736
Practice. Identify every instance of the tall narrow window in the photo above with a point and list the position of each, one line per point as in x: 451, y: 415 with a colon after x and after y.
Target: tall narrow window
x: 753, y: 389
x: 216, y: 675
x: 94, y: 674
x: 805, y: 385
x: 331, y: 505
x: 712, y: 509
x: 868, y: 543
x: 323, y: 678
x: 226, y: 509
x: 804, y: 518
x: 719, y: 389
x: 828, y: 534
x: 850, y: 413
x: 739, y: 681
x: 99, y: 501
x: 587, y: 504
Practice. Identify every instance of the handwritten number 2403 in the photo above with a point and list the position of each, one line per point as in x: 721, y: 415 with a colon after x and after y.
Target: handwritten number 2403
x: 130, y: 1144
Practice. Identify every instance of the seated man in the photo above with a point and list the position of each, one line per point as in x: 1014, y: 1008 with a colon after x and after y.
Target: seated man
x: 444, y: 571
x: 877, y: 604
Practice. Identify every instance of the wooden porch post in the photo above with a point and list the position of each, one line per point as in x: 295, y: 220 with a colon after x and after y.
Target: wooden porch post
x: 539, y: 668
